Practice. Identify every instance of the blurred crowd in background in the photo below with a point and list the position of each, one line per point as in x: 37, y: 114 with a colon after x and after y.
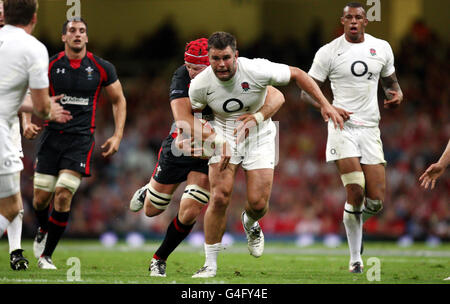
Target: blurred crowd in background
x: 307, y: 196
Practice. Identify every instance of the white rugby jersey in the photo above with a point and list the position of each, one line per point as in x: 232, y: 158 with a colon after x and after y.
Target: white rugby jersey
x: 244, y: 93
x: 23, y: 64
x: 354, y: 70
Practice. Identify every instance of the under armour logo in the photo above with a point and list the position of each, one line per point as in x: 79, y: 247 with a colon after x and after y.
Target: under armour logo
x: 158, y: 169
x: 62, y: 71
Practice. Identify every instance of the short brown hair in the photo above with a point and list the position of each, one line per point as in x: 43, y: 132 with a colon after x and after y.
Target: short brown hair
x: 76, y: 19
x: 19, y: 12
x: 220, y: 41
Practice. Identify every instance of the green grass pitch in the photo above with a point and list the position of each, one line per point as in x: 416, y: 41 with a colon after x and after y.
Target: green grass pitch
x: 282, y: 263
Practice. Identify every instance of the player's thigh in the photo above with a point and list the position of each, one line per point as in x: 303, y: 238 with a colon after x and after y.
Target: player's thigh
x: 198, y: 178
x: 342, y: 144
x: 348, y: 165
x: 221, y: 182
x: 375, y: 176
x: 259, y: 186
x: 50, y: 148
x: 371, y: 146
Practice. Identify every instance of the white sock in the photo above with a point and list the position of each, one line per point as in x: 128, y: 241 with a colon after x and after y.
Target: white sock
x: 353, y: 228
x: 248, y: 221
x: 211, y: 252
x: 15, y: 232
x: 4, y: 223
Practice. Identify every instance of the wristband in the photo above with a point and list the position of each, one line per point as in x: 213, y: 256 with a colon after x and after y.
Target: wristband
x: 259, y: 117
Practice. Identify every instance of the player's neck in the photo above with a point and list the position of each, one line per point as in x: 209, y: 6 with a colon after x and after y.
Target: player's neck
x: 75, y: 55
x: 359, y: 40
x: 27, y: 28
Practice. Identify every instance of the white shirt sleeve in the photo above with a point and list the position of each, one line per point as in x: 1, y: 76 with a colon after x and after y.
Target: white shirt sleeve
x: 277, y: 73
x: 320, y: 68
x: 388, y: 68
x: 38, y: 67
x: 198, y: 99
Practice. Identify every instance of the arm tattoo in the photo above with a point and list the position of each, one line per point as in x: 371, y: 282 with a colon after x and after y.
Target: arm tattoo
x: 390, y: 83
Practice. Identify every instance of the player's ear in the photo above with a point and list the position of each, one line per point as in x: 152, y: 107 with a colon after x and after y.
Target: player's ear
x: 236, y: 54
x: 342, y: 20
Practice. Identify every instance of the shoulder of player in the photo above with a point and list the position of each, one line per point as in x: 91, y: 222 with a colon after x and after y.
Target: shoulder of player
x: 203, y: 79
x: 33, y: 45
x: 180, y: 72
x: 102, y: 62
x: 255, y: 66
x: 56, y: 56
x: 328, y: 48
x: 376, y: 40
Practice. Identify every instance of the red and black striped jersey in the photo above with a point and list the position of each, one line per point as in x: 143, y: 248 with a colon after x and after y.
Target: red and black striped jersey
x: 81, y: 82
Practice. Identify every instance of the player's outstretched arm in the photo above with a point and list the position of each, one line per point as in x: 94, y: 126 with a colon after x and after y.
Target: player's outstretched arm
x: 392, y: 90
x: 273, y: 102
x: 329, y: 95
x: 307, y: 84
x: 119, y: 107
x: 436, y: 170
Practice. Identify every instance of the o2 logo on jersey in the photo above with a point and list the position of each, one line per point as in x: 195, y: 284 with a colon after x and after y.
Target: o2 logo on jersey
x: 359, y: 68
x: 232, y: 105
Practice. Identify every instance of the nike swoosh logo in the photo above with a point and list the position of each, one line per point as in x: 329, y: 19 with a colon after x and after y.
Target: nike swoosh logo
x: 209, y: 93
x: 339, y: 54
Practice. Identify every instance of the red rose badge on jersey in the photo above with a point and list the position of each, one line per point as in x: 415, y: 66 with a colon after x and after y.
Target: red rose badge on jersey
x: 373, y: 52
x: 245, y: 86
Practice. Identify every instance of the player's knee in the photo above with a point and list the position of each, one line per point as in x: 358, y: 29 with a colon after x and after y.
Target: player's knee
x: 259, y: 205
x: 151, y: 211
x: 220, y: 198
x: 355, y: 184
x: 355, y: 195
x: 63, y: 199
x: 41, y: 199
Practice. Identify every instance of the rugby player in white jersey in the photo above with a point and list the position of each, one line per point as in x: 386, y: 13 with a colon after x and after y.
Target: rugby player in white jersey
x: 354, y: 63
x: 24, y: 62
x: 235, y: 88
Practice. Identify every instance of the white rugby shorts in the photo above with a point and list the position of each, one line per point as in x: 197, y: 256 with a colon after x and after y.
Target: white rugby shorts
x: 10, y: 161
x: 355, y: 141
x: 258, y: 151
x: 9, y: 184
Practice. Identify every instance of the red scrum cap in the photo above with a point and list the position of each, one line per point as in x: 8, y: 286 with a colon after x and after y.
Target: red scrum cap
x: 196, y: 52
